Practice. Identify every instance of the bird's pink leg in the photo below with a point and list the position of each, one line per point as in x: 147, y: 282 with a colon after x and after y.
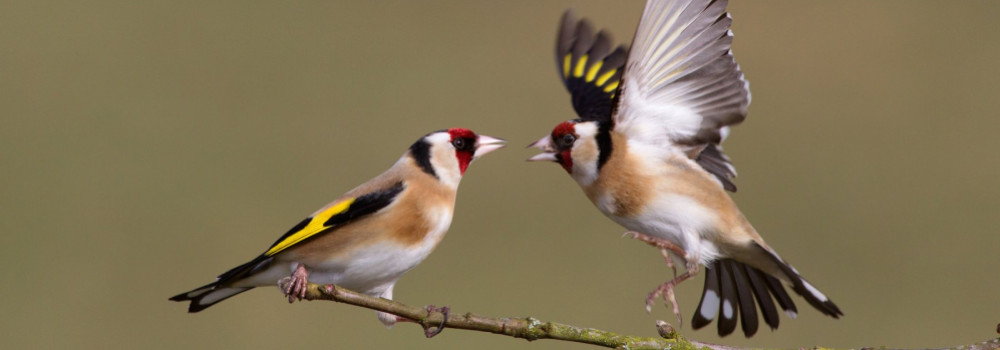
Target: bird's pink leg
x: 656, y: 242
x: 663, y: 245
x: 295, y: 285
x: 666, y: 290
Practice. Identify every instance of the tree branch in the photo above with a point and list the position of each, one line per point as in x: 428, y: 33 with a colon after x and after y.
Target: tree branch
x: 533, y: 329
x: 525, y: 328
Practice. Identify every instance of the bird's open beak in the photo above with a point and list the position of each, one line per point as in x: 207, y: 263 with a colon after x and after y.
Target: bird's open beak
x: 548, y: 153
x: 487, y: 144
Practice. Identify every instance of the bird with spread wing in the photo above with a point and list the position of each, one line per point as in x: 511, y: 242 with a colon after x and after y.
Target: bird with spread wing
x: 646, y: 151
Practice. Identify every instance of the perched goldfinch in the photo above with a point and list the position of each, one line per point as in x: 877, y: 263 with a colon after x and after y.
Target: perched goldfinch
x: 369, y: 237
x: 646, y: 152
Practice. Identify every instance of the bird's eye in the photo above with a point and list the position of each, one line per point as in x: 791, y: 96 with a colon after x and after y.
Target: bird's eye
x: 567, y: 140
x: 458, y: 143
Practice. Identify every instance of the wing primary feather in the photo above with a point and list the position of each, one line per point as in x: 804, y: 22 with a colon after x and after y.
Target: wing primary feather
x: 566, y: 36
x: 681, y: 85
x: 615, y: 61
x: 598, y: 52
x: 590, y: 66
x: 259, y: 263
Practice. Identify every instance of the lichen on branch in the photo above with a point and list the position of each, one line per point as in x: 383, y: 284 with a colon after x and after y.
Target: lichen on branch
x: 527, y: 328
x: 531, y: 329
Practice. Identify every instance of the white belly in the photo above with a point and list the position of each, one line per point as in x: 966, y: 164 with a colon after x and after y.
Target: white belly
x: 678, y: 219
x: 377, y: 267
x: 372, y: 269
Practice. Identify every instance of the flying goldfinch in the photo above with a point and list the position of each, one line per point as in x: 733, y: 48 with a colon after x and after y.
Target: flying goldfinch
x: 369, y: 237
x: 645, y: 150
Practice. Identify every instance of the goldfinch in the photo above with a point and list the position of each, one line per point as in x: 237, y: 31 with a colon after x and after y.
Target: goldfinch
x: 645, y: 150
x: 369, y: 237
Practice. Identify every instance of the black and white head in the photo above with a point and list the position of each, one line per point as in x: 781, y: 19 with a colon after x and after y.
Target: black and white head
x: 580, y: 147
x: 446, y: 154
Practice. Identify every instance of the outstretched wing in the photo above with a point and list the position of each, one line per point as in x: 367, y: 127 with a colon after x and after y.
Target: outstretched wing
x: 681, y: 87
x: 324, y: 221
x: 589, y: 67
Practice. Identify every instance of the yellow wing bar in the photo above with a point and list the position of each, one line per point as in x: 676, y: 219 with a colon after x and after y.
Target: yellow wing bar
x: 316, y: 225
x: 591, y: 76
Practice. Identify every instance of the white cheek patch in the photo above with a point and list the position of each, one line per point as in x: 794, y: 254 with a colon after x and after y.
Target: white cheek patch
x: 443, y: 159
x: 585, y: 154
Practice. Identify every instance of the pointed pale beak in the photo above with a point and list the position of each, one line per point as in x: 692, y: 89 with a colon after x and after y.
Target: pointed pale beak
x: 548, y: 153
x: 487, y: 144
x: 542, y: 143
x: 544, y: 157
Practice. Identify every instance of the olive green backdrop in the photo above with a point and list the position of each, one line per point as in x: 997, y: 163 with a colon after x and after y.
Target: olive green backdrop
x: 148, y: 146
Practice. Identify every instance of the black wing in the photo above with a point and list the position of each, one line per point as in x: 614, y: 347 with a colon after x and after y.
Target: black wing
x: 589, y: 67
x: 323, y: 222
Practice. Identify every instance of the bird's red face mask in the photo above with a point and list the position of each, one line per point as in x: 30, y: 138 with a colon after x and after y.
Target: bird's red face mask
x: 558, y: 146
x: 469, y: 146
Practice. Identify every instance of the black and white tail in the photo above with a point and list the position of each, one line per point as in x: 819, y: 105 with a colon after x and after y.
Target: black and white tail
x: 207, y: 295
x: 210, y: 294
x: 732, y: 288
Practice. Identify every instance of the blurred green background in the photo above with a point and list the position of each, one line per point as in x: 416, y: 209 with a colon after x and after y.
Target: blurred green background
x: 149, y: 146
